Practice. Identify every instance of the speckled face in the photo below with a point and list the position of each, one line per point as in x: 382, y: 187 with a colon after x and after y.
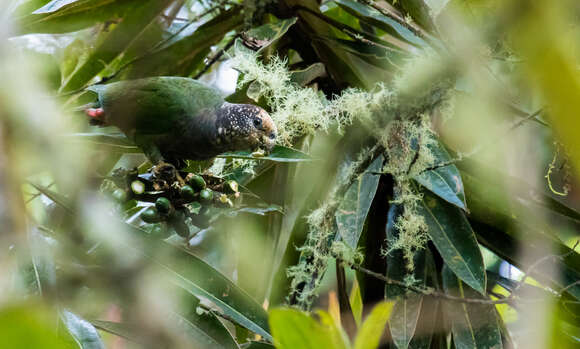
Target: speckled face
x: 243, y: 126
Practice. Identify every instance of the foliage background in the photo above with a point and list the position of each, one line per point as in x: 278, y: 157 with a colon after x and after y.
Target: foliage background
x: 436, y: 205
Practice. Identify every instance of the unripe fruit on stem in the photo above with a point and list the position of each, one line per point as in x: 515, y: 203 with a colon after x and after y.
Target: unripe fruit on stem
x: 196, y: 182
x: 187, y: 193
x: 206, y: 195
x: 151, y: 215
x: 138, y: 187
x: 163, y: 205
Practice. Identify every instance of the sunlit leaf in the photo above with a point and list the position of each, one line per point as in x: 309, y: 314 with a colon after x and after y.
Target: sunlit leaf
x: 29, y: 326
x: 372, y: 328
x: 356, y: 303
x: 293, y: 328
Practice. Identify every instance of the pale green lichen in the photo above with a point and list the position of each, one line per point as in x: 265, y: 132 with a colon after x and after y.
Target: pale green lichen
x: 346, y: 254
x: 399, y: 118
x: 298, y: 111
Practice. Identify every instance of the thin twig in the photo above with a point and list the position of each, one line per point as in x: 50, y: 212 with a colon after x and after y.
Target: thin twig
x: 512, y: 298
x: 428, y: 292
x: 216, y: 57
x: 350, y: 31
x: 415, y: 30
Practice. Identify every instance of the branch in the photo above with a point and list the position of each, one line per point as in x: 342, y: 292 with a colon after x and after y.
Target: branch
x: 505, y: 300
x: 429, y: 291
x: 216, y: 57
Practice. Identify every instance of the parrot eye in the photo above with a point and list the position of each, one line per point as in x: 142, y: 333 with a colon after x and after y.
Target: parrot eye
x: 272, y: 135
x: 257, y: 123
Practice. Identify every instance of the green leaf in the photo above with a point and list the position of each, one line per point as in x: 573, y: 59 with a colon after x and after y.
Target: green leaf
x: 278, y: 154
x: 57, y: 198
x: 375, y: 18
x: 201, y: 280
x: 112, y: 142
x: 119, y: 329
x: 293, y: 328
x: 73, y: 16
x: 204, y: 331
x: 55, y: 5
x: 265, y: 35
x: 356, y: 303
x: 419, y: 12
x: 83, y: 332
x: 306, y: 76
x: 117, y: 41
x: 455, y: 240
x: 29, y: 326
x: 372, y: 329
x: 352, y: 212
x: 188, y: 53
x: 404, y: 318
x: 473, y: 325
x: 445, y: 181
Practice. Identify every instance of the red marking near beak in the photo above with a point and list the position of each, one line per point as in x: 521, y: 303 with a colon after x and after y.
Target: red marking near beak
x: 95, y: 113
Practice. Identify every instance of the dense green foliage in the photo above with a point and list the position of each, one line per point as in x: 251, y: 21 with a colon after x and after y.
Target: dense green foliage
x: 422, y: 190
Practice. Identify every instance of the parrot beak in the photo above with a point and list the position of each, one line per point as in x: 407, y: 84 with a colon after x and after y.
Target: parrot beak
x: 268, y: 143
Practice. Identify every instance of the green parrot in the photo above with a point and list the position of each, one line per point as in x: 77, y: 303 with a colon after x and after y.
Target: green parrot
x: 173, y: 119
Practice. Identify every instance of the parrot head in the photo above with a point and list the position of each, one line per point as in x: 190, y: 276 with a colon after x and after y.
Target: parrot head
x: 245, y: 126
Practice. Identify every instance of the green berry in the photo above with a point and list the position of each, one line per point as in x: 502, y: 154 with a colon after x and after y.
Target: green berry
x: 138, y: 187
x: 187, y: 193
x: 120, y: 195
x: 197, y: 182
x: 206, y: 195
x: 163, y: 205
x: 150, y: 215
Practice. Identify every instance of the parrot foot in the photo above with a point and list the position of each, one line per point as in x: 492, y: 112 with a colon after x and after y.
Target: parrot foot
x: 167, y: 173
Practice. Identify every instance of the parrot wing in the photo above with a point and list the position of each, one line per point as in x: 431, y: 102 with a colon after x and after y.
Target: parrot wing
x: 155, y: 106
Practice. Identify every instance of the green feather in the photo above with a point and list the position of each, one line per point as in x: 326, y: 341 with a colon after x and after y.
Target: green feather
x: 154, y: 106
